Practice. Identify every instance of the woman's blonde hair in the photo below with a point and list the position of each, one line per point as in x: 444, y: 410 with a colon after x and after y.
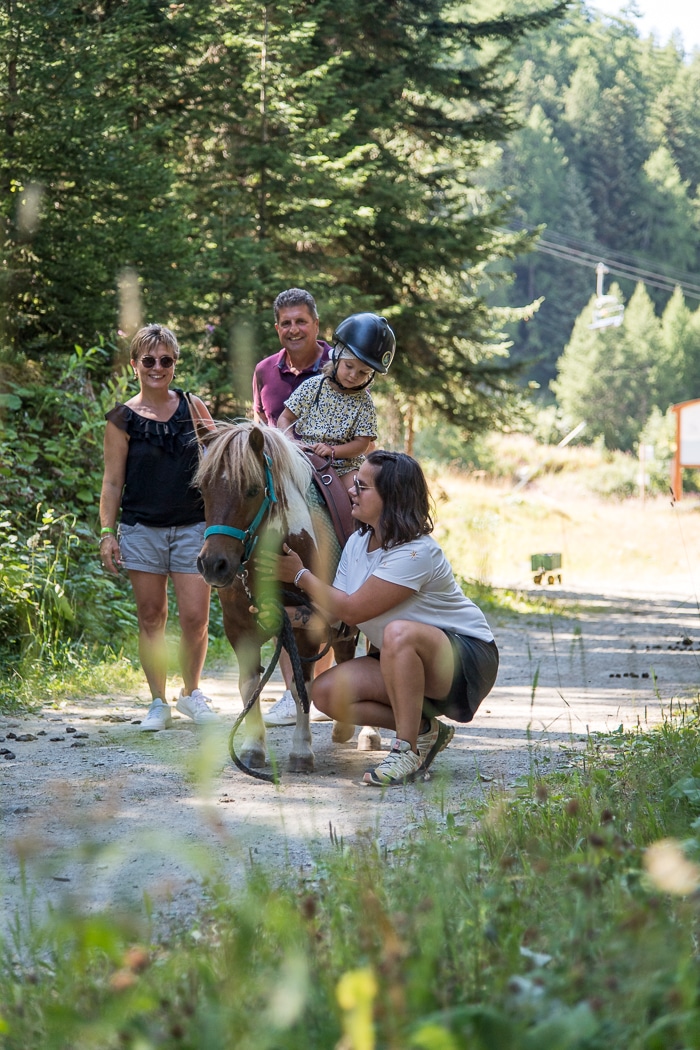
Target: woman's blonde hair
x: 149, y: 337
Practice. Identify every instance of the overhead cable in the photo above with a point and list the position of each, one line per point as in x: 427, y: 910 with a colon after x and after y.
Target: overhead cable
x: 666, y: 282
x: 594, y: 248
x: 655, y: 280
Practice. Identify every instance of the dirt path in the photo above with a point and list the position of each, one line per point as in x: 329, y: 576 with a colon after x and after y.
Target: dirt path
x: 107, y: 814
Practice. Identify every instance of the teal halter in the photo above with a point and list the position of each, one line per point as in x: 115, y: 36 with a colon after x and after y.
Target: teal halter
x: 249, y: 538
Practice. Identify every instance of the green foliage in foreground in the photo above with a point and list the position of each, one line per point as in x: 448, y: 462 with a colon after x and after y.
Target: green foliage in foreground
x: 523, y: 922
x: 64, y: 623
x: 56, y: 605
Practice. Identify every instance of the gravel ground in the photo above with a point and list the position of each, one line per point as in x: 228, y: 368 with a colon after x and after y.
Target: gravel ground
x: 94, y: 813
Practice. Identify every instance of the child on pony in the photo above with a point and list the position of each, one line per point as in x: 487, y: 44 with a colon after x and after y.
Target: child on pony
x: 333, y: 414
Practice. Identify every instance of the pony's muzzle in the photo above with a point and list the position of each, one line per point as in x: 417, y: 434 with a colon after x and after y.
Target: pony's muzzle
x: 218, y: 569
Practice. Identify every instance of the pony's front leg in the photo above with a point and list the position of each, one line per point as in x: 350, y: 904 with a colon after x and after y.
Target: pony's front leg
x: 253, y: 753
x: 301, y: 756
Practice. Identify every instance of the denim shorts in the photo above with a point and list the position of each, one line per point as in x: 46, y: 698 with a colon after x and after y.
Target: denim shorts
x: 149, y: 548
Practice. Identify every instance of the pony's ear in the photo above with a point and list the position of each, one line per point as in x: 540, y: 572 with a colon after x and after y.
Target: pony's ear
x: 257, y: 441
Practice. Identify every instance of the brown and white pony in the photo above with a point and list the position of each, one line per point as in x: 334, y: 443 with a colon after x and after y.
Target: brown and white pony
x: 256, y: 485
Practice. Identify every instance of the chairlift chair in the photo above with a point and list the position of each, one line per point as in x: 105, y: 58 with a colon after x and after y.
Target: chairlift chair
x: 608, y: 312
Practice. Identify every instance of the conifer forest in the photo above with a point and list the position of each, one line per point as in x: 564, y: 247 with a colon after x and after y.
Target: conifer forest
x: 458, y: 167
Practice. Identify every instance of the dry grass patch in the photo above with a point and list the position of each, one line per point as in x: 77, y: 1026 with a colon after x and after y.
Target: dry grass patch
x: 490, y: 530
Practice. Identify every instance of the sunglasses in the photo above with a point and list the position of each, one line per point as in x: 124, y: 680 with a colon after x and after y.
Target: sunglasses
x: 148, y: 361
x: 358, y: 486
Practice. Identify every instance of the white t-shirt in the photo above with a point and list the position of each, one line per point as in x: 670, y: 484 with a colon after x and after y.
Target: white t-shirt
x: 421, y: 565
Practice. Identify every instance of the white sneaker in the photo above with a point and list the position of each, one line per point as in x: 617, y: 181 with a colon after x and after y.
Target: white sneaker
x: 284, y: 712
x: 435, y: 739
x: 196, y: 706
x: 157, y: 717
x: 400, y: 766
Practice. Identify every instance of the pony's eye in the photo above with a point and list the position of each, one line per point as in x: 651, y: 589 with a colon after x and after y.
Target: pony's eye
x: 252, y: 491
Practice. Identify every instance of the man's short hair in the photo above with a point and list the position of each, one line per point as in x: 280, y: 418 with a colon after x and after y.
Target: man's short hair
x: 295, y: 297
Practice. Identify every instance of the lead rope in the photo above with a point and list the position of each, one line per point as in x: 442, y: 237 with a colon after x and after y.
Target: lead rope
x: 269, y: 778
x: 286, y: 639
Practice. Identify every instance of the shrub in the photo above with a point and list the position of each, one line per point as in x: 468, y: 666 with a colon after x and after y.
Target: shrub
x: 52, y: 593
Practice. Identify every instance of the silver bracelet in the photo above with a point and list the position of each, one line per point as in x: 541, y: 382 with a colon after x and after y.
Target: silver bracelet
x: 299, y: 575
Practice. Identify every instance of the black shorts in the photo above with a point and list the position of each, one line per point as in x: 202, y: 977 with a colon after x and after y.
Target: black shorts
x: 476, y: 667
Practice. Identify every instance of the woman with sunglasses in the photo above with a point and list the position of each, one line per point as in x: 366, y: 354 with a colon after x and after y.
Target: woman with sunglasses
x: 433, y: 652
x: 150, y: 455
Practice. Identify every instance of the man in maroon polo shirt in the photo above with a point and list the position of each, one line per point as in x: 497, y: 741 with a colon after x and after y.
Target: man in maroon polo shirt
x: 274, y: 379
x: 301, y: 356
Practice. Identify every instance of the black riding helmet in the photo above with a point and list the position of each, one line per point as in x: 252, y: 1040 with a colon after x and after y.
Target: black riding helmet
x: 368, y: 337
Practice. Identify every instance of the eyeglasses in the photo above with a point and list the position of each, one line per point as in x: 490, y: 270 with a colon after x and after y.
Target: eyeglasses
x: 148, y: 361
x: 358, y: 486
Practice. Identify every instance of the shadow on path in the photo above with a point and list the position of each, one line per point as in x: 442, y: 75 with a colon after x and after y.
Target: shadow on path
x: 126, y: 814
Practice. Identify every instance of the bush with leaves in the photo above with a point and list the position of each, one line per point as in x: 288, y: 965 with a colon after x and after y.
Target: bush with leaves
x: 52, y: 593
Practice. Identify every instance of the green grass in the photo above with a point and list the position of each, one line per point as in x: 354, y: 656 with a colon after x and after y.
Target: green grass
x: 90, y: 671
x: 526, y: 921
x: 84, y: 671
x: 510, y: 603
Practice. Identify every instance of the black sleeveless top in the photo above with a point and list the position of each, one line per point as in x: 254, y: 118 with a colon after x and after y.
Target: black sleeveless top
x: 160, y: 465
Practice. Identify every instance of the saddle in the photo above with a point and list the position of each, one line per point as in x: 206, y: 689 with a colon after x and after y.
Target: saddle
x: 334, y: 494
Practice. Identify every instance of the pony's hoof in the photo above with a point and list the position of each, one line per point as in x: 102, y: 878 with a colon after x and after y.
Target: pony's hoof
x: 342, y: 732
x: 369, y: 739
x: 301, y: 764
x: 253, y: 757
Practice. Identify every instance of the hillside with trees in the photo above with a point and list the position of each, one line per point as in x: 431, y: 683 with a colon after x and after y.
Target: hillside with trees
x: 219, y: 152
x: 185, y: 162
x: 607, y: 166
x: 203, y: 156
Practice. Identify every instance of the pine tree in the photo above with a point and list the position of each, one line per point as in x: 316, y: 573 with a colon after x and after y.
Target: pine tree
x: 606, y: 376
x: 666, y: 213
x: 691, y: 370
x: 84, y: 111
x: 225, y: 150
x: 622, y: 111
x: 677, y: 369
x: 674, y: 116
x: 549, y: 193
x: 345, y: 159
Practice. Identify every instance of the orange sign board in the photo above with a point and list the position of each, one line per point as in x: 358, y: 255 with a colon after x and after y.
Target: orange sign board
x: 687, y: 441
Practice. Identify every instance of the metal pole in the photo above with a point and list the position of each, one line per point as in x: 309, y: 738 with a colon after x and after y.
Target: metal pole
x: 600, y: 270
x: 676, y: 476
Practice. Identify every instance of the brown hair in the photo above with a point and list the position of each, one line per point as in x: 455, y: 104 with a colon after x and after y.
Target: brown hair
x: 402, y: 487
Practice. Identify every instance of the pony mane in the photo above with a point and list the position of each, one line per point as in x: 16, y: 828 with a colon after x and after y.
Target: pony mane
x: 228, y: 456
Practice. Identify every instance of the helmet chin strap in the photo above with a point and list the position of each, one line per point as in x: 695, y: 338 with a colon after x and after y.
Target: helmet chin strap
x: 335, y: 362
x: 340, y: 386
